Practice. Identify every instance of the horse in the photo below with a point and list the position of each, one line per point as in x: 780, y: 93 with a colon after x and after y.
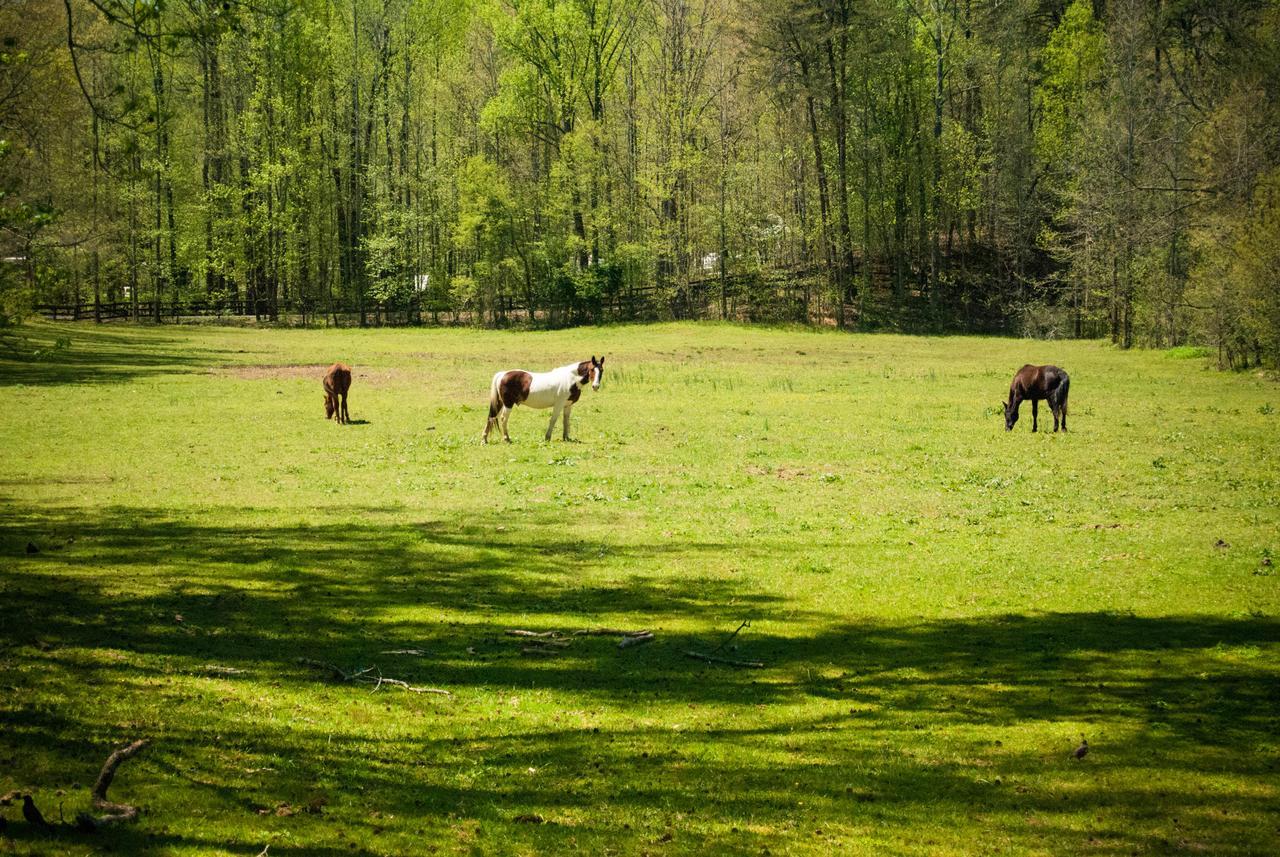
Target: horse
x: 337, y: 381
x: 557, y: 389
x: 1036, y: 383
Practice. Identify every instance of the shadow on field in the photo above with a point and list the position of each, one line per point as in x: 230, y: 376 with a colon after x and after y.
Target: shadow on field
x: 1196, y: 695
x: 30, y: 357
x: 339, y: 593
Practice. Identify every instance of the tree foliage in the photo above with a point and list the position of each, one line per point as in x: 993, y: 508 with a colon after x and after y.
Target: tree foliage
x: 1054, y: 167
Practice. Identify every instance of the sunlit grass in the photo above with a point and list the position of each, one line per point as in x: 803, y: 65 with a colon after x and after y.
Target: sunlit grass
x: 943, y: 609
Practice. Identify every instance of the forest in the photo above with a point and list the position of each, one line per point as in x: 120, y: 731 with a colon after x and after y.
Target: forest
x: 1094, y: 168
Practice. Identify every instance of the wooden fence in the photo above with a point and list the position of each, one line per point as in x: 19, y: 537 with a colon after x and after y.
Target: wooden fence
x: 784, y: 297
x: 699, y: 300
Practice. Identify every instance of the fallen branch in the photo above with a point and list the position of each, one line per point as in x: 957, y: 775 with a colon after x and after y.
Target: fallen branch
x: 712, y: 659
x: 113, y: 813
x: 544, y: 643
x: 370, y: 675
x: 395, y: 682
x: 585, y: 632
x: 746, y: 623
x: 636, y: 639
x: 217, y: 669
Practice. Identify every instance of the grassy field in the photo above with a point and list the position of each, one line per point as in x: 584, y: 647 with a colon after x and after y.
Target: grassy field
x: 943, y: 609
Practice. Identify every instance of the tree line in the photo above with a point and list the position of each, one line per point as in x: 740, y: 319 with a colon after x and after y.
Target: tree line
x: 1052, y: 167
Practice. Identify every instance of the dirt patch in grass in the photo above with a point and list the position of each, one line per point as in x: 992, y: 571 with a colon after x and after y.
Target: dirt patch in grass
x: 361, y: 377
x: 785, y: 473
x: 273, y: 373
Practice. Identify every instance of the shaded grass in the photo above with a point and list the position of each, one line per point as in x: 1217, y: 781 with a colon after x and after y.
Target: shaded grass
x: 944, y: 609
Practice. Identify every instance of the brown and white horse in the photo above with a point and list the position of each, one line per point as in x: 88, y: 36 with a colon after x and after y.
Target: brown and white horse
x: 557, y: 389
x: 1036, y: 383
x: 337, y: 381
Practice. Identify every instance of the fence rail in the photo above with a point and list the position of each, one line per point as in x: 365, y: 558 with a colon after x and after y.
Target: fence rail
x: 795, y: 298
x: 697, y: 300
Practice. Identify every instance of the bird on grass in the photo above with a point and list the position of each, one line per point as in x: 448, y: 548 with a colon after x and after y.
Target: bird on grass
x: 33, y: 816
x: 1082, y: 750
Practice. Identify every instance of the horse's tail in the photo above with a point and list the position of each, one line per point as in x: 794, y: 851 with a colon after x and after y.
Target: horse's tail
x: 1058, y: 395
x: 495, y: 401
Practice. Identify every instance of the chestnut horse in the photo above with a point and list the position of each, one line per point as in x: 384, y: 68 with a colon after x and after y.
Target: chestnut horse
x: 557, y: 389
x: 336, y: 383
x: 1036, y: 383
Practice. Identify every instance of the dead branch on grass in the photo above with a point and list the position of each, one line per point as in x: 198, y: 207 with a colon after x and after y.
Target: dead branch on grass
x: 636, y: 639
x: 370, y: 675
x: 112, y: 813
x: 218, y: 669
x: 746, y: 623
x: 543, y: 643
x: 712, y: 659
x: 585, y: 632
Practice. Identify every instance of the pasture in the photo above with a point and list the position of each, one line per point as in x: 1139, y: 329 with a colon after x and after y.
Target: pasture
x: 943, y: 609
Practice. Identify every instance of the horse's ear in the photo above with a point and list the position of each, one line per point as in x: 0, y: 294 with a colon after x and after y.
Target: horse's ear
x: 593, y: 358
x: 601, y: 359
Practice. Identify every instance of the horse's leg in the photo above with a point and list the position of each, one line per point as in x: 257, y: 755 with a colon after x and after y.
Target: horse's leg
x: 567, y: 409
x: 346, y: 414
x: 555, y: 417
x: 1056, y: 408
x: 503, y: 416
x: 1035, y: 414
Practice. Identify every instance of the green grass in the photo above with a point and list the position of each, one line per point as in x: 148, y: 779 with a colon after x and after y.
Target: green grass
x: 943, y: 609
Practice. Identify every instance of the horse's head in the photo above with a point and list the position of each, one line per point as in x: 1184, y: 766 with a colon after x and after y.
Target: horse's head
x: 590, y: 372
x: 1010, y: 416
x: 597, y: 372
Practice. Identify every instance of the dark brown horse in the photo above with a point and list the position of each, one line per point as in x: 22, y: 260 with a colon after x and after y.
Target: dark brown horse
x: 337, y: 381
x: 1036, y: 383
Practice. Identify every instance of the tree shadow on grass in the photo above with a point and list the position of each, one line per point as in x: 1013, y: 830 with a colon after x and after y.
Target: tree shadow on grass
x: 97, y: 356
x: 713, y: 788
x: 123, y: 602
x: 349, y: 591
